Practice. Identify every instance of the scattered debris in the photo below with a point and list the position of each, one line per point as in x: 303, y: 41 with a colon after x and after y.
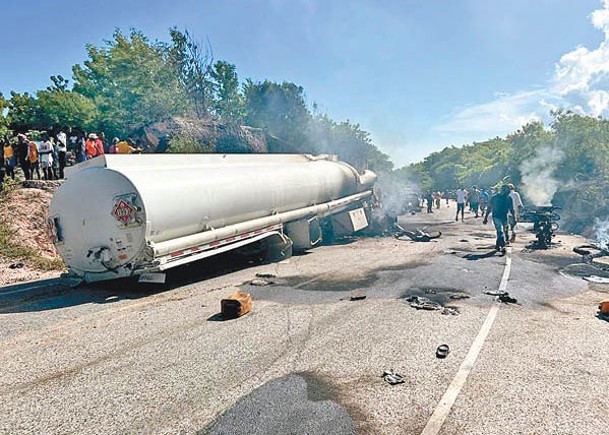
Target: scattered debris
x: 464, y: 241
x: 260, y: 282
x: 16, y: 266
x: 495, y: 292
x: 450, y: 311
x: 393, y: 378
x: 457, y: 296
x: 415, y: 236
x: 112, y: 299
x: 430, y: 291
x: 450, y: 251
x: 442, y: 351
x: 597, y: 279
x: 236, y: 305
x: 357, y: 296
x: 421, y: 303
x: 265, y: 275
x: 506, y: 299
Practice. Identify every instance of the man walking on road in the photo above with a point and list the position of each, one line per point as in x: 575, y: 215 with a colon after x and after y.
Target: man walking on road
x: 518, y: 206
x: 500, y: 205
x: 461, y: 194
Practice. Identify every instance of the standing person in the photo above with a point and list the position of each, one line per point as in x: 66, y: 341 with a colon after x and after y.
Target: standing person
x: 113, y: 149
x: 81, y: 153
x: 9, y: 158
x: 474, y: 200
x: 99, y: 144
x: 500, y: 205
x: 438, y: 197
x: 461, y: 194
x: 90, y: 148
x: 429, y: 200
x: 33, y: 158
x: 62, y: 151
x: 45, y: 151
x: 124, y: 147
x: 518, y: 205
x: 23, y: 149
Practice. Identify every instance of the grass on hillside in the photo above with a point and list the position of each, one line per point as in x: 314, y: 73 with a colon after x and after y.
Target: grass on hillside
x: 12, y: 250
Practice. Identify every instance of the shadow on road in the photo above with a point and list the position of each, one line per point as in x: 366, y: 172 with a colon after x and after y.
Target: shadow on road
x: 489, y: 254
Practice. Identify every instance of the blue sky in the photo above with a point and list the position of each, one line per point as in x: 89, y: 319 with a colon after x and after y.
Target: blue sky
x: 419, y: 75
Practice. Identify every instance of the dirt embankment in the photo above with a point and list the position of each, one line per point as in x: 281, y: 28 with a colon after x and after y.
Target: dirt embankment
x: 26, y: 252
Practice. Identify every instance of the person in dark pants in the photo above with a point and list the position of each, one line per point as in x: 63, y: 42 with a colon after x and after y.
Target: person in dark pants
x: 23, y: 152
x: 500, y: 206
x: 429, y: 199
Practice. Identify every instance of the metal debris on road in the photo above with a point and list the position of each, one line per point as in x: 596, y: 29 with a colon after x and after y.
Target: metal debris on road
x: 495, y: 292
x: 457, y: 296
x: 265, y: 275
x: 421, y: 303
x: 393, y: 378
x: 506, y: 299
x: 442, y: 351
x: 415, y: 236
x: 450, y: 311
x: 260, y: 282
x: 597, y: 279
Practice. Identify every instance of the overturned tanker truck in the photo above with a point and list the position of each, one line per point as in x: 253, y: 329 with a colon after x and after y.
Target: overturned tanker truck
x: 117, y: 216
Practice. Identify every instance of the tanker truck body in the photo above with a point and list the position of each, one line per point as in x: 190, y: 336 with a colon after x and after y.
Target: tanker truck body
x: 123, y: 215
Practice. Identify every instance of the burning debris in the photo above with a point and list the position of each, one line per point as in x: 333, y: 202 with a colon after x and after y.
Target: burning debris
x: 545, y: 224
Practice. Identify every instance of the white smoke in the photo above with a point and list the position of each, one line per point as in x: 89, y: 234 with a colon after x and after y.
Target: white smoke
x: 601, y: 229
x: 393, y: 193
x: 538, y: 182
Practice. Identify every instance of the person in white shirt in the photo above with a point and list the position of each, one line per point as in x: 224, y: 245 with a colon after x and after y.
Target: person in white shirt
x: 518, y: 206
x: 461, y: 195
x: 45, y: 152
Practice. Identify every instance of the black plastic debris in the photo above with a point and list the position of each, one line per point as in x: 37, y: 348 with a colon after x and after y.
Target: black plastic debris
x: 442, y: 351
x: 450, y: 311
x: 506, y: 299
x: 392, y: 378
x: 16, y: 266
x: 421, y: 303
x: 357, y: 296
x: 265, y: 275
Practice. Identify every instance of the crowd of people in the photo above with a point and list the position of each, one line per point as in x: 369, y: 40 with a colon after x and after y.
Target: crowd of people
x: 503, y: 203
x: 47, y: 157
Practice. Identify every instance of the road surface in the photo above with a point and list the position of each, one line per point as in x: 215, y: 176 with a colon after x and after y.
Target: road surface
x: 122, y: 358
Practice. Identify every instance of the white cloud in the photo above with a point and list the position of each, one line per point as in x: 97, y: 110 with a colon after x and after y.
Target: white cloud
x: 580, y: 83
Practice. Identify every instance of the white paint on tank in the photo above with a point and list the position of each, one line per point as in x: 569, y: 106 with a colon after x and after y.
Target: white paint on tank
x: 168, y: 196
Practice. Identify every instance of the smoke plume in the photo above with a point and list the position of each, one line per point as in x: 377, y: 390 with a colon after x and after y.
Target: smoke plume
x: 538, y: 182
x: 601, y: 228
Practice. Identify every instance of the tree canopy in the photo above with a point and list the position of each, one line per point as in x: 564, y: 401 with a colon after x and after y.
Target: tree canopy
x: 131, y: 82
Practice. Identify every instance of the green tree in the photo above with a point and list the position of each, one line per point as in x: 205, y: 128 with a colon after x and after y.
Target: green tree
x: 132, y: 82
x: 281, y: 110
x: 228, y: 101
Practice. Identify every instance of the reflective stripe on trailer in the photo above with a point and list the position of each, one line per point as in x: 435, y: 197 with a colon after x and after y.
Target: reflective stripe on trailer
x: 217, y: 243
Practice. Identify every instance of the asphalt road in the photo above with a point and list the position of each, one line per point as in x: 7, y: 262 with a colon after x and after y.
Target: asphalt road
x: 122, y: 358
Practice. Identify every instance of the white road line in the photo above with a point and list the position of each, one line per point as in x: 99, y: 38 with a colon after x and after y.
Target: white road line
x: 443, y: 408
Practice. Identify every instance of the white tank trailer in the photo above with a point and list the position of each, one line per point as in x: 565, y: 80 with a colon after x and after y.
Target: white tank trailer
x: 117, y: 216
